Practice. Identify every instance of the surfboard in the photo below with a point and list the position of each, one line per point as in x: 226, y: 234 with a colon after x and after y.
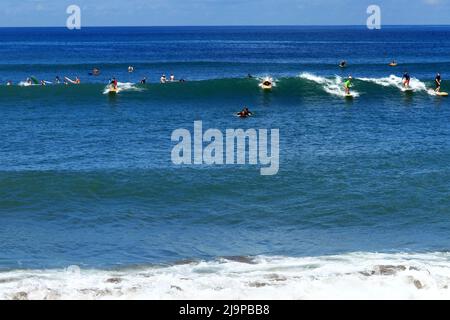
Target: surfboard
x: 349, y: 96
x: 34, y: 80
x: 392, y: 64
x: 70, y: 80
x: 113, y: 91
x: 442, y: 94
x: 264, y: 87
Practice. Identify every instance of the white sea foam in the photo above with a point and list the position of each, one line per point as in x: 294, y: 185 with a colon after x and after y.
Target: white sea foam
x: 394, y: 81
x: 26, y: 84
x: 351, y: 276
x: 333, y: 86
x: 124, y: 86
x: 267, y: 78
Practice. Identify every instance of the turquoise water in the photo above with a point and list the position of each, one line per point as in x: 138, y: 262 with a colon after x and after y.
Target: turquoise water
x: 86, y: 178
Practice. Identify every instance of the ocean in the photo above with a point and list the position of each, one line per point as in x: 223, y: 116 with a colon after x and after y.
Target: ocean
x: 92, y: 207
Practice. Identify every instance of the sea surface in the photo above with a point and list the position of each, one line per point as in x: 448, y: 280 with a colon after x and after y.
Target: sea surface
x: 92, y: 207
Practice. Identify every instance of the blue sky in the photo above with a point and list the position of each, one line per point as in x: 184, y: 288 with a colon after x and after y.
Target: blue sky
x: 221, y: 12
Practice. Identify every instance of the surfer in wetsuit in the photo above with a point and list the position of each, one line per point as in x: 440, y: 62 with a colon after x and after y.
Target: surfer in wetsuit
x: 406, y: 80
x: 438, y: 82
x: 144, y: 81
x: 348, y: 85
x: 343, y: 64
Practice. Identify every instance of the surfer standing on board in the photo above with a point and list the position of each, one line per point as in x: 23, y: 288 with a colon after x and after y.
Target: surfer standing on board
x: 406, y: 80
x: 438, y: 82
x: 348, y: 85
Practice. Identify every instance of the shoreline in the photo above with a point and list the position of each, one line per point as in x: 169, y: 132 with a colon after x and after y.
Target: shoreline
x: 358, y: 276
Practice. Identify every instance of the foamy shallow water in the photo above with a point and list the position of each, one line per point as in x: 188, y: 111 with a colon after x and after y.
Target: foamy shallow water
x: 351, y: 276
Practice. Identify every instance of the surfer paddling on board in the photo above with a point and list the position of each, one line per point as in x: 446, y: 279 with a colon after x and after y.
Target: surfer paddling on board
x: 343, y: 64
x: 438, y: 82
x: 406, y: 80
x: 348, y: 84
x: 245, y: 113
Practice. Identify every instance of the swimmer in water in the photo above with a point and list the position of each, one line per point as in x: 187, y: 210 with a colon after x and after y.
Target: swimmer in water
x: 245, y: 113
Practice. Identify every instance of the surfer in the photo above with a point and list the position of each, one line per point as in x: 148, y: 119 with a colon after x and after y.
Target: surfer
x: 245, y: 113
x: 77, y: 80
x: 95, y: 72
x: 266, y: 84
x: 343, y: 64
x: 172, y: 78
x: 393, y: 63
x: 144, y: 81
x: 114, y: 83
x: 438, y: 82
x: 57, y: 80
x: 43, y: 83
x: 9, y: 83
x: 406, y: 80
x: 348, y: 85
x: 29, y: 82
x: 249, y: 76
x: 130, y: 69
x: 163, y: 79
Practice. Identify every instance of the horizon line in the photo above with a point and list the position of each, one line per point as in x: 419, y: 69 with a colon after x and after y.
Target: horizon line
x: 232, y: 25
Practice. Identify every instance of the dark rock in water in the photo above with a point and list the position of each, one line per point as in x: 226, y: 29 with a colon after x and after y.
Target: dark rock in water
x: 418, y: 284
x: 276, y: 277
x: 240, y: 259
x: 176, y: 288
x: 184, y: 262
x: 257, y: 284
x: 6, y: 280
x: 114, y: 280
x: 20, y: 296
x: 388, y: 270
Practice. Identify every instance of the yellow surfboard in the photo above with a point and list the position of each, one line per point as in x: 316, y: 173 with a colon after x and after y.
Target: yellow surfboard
x: 113, y: 90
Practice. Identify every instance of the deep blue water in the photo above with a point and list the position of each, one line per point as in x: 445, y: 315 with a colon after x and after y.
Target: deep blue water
x: 87, y: 178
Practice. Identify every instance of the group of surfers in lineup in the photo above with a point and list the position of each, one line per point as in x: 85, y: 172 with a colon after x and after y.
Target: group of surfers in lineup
x: 406, y: 79
x: 95, y: 72
x: 266, y: 84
